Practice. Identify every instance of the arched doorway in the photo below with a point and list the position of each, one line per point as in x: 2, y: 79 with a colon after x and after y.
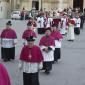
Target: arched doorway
x: 35, y: 4
x: 78, y: 4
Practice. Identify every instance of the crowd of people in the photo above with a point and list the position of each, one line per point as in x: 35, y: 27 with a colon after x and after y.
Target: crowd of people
x: 33, y: 58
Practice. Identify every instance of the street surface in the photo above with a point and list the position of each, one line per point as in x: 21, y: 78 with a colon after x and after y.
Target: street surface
x: 69, y: 71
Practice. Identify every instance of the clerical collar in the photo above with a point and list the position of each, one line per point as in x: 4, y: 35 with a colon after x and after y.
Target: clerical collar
x: 8, y: 28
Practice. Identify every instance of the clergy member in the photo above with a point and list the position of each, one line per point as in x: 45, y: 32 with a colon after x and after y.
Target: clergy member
x: 63, y: 24
x: 8, y: 42
x: 40, y: 23
x: 47, y: 45
x: 77, y: 26
x: 4, y: 77
x: 28, y: 32
x: 30, y: 62
x: 58, y: 38
x: 70, y: 30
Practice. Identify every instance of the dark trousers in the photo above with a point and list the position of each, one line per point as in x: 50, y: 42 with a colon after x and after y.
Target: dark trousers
x: 47, y: 66
x: 57, y: 54
x: 77, y: 31
x: 22, y: 17
x: 30, y: 78
x: 8, y: 53
x: 82, y: 22
x: 41, y: 30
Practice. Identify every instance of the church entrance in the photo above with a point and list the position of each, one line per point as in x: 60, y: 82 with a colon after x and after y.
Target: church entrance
x: 35, y: 4
x: 78, y: 4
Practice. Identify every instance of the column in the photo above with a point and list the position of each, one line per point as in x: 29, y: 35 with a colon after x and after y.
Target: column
x: 15, y: 4
x: 71, y: 3
x: 84, y: 4
x: 60, y: 5
x: 3, y: 9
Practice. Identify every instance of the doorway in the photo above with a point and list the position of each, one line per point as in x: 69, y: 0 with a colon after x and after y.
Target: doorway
x: 35, y: 4
x: 78, y: 4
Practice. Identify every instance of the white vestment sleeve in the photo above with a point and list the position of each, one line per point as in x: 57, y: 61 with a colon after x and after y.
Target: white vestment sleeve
x: 53, y: 47
x: 15, y: 40
x: 42, y: 47
x: 20, y: 65
x: 0, y: 40
x: 40, y: 65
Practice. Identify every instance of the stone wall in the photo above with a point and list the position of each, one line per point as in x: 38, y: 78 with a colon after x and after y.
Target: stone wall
x: 46, y: 5
x: 4, y: 9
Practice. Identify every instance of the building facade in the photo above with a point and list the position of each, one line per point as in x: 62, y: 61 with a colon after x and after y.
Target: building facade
x: 7, y: 6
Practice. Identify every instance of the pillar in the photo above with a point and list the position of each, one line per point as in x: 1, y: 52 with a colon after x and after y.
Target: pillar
x: 4, y: 6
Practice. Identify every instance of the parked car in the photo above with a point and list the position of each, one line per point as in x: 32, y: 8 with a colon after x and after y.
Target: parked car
x: 16, y: 15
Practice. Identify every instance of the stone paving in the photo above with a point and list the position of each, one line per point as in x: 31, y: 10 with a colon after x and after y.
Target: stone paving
x: 69, y: 71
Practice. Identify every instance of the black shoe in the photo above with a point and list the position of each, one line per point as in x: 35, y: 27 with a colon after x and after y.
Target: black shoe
x: 5, y: 60
x: 56, y: 61
x: 47, y: 72
x: 12, y: 59
x: 71, y: 40
x: 42, y: 69
x: 53, y: 62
